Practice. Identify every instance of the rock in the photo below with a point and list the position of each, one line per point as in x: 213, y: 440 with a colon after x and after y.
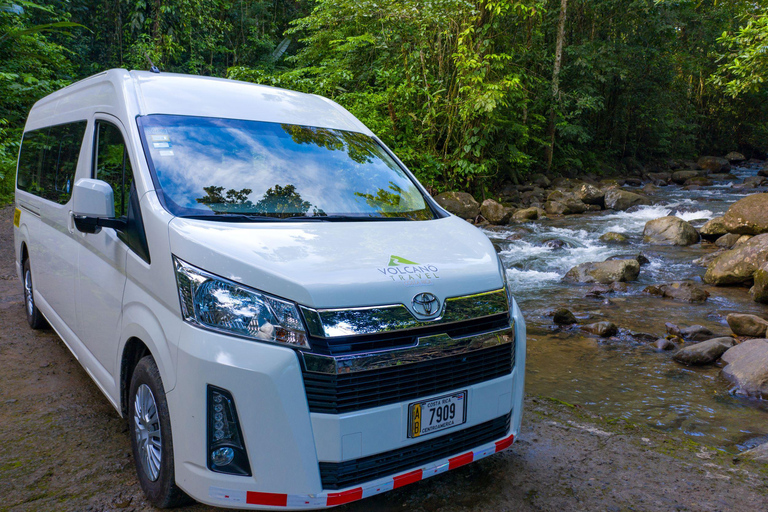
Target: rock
x: 617, y: 199
x: 602, y: 329
x: 679, y: 290
x: 642, y: 259
x: 619, y: 287
x: 528, y: 214
x: 696, y: 333
x: 714, y: 164
x: 763, y: 171
x: 566, y: 206
x: 670, y: 231
x: 604, y: 272
x: 742, y: 239
x: 650, y: 189
x: 660, y: 176
x: 734, y: 157
x: 748, y: 216
x: 755, y: 181
x: 728, y: 240
x: 613, y: 237
x: 672, y: 329
x: 598, y: 291
x: 633, y: 182
x: 460, y: 204
x: 723, y: 177
x: 747, y: 367
x: 705, y: 352
x: 747, y: 325
x: 662, y: 344
x: 564, y: 317
x: 705, y: 260
x: 738, y: 265
x: 495, y: 213
x: 713, y: 229
x: 759, y: 291
x: 759, y: 453
x: 540, y: 180
x: 680, y: 177
x: 698, y: 181
x: 589, y: 194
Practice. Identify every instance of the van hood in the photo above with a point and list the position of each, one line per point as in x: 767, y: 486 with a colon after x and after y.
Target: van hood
x: 343, y: 264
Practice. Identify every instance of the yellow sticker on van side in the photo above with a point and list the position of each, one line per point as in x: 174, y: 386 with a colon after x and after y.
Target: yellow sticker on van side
x: 16, y: 217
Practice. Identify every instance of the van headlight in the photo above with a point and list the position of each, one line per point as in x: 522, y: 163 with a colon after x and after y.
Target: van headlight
x: 222, y: 305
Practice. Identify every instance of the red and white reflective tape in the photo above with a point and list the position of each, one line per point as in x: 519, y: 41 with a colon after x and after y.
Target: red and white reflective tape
x: 331, y: 499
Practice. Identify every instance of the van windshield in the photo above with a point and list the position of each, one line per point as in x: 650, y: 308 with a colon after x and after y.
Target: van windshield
x: 227, y: 169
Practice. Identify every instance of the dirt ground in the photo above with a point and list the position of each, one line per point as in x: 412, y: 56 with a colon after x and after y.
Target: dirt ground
x: 64, y: 448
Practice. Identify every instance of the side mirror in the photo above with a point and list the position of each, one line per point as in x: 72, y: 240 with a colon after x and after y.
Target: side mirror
x: 94, y: 206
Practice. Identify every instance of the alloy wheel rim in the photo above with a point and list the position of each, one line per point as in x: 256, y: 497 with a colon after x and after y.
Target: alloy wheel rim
x: 30, y: 300
x: 146, y: 428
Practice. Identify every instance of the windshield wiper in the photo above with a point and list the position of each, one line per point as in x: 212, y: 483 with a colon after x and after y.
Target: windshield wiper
x: 232, y: 217
x: 342, y: 218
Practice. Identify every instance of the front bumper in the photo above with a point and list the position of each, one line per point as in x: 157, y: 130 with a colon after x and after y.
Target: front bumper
x: 286, y: 442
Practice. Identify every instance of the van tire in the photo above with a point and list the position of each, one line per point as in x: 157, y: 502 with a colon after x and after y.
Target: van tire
x: 147, y: 410
x: 34, y: 316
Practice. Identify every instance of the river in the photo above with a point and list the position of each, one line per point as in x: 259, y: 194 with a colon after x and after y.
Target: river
x: 624, y: 377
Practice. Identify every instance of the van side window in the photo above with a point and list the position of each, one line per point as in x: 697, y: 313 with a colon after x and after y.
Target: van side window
x: 48, y: 160
x: 112, y: 164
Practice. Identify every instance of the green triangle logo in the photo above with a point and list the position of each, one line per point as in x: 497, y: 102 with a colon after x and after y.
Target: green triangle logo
x: 394, y: 261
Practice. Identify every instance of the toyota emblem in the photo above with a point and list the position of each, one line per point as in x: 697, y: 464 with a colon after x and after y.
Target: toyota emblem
x: 426, y: 304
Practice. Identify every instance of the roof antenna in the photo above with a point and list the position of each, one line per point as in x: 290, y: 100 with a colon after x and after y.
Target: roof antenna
x: 152, y: 67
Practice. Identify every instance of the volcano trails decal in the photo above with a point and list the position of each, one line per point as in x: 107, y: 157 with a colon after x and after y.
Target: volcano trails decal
x: 410, y: 273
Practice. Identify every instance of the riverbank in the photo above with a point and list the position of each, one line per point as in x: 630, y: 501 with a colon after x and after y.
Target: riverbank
x: 64, y: 448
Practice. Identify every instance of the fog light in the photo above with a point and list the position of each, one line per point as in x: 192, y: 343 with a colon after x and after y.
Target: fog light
x: 226, y: 449
x: 222, y: 456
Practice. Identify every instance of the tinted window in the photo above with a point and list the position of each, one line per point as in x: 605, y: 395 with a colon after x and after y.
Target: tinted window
x: 48, y: 160
x: 224, y: 167
x: 113, y: 165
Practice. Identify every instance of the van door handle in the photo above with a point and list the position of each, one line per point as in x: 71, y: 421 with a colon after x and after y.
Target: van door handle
x: 71, y: 223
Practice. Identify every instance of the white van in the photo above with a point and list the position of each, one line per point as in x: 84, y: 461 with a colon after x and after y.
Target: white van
x: 283, y: 315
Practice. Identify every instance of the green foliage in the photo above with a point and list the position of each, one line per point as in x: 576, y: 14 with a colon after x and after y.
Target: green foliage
x: 745, y: 66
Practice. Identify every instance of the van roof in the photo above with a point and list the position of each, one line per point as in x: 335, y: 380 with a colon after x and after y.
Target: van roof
x: 145, y: 93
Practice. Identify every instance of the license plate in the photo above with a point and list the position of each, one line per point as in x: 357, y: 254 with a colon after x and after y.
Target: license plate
x: 437, y: 414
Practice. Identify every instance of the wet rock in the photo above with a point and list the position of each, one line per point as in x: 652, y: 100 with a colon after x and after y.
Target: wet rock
x: 602, y: 329
x: 696, y: 333
x: 755, y: 181
x: 651, y: 189
x: 619, y: 287
x: 723, y: 177
x: 670, y: 231
x: 714, y: 164
x: 642, y: 259
x: 566, y: 206
x: 662, y: 344
x: 748, y: 216
x: 738, y: 265
x: 747, y: 367
x: 660, y: 176
x: 460, y: 204
x: 759, y: 453
x: 735, y: 157
x: 684, y: 291
x: 728, y: 240
x: 680, y: 177
x: 759, y: 291
x: 598, y: 291
x: 496, y: 213
x: 556, y: 244
x: 604, y: 272
x: 705, y: 352
x: 614, y: 238
x: 747, y: 325
x: 698, y: 181
x: 617, y: 199
x: 564, y: 317
x: 528, y: 214
x: 713, y: 229
x: 672, y: 329
x: 705, y: 260
x: 589, y: 194
x: 633, y: 182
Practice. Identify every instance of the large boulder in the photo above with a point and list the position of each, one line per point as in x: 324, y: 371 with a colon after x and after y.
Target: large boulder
x: 738, y: 265
x: 714, y: 164
x: 617, y: 199
x: 670, y: 231
x: 680, y: 177
x: 747, y: 367
x: 747, y: 325
x: 735, y: 157
x: 684, y: 291
x: 524, y: 214
x: 748, y: 216
x: 728, y: 240
x: 494, y: 212
x: 604, y: 272
x: 713, y: 229
x: 759, y: 291
x: 589, y: 194
x: 460, y: 204
x: 705, y: 352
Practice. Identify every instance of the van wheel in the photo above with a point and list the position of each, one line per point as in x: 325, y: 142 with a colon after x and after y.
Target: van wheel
x: 34, y: 316
x: 151, y: 437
